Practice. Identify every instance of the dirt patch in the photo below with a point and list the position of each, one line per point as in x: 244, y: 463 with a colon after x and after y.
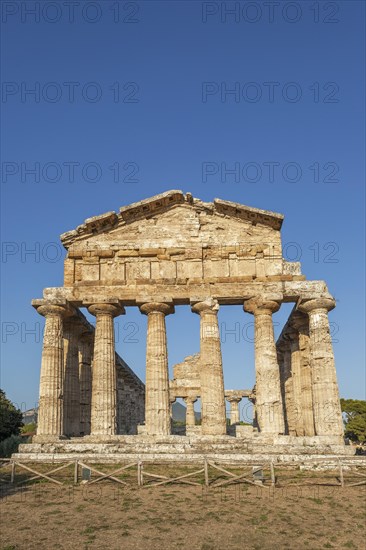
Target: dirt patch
x: 108, y: 515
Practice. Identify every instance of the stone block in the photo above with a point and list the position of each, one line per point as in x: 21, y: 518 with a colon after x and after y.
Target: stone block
x: 189, y: 269
x: 137, y: 270
x: 243, y: 431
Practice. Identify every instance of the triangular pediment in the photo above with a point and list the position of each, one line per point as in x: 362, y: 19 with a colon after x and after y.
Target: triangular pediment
x: 174, y: 219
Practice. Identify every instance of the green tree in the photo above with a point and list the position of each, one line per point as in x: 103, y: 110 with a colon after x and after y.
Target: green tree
x: 355, y: 418
x: 11, y: 418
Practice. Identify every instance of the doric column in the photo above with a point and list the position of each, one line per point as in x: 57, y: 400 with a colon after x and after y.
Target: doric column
x: 157, y: 409
x: 234, y: 409
x: 326, y: 404
x: 104, y: 384
x: 300, y: 322
x: 268, y: 390
x: 282, y: 363
x: 288, y: 393
x: 86, y: 343
x: 254, y: 412
x: 211, y: 374
x: 190, y: 418
x: 293, y: 337
x: 50, y: 411
x: 71, y: 378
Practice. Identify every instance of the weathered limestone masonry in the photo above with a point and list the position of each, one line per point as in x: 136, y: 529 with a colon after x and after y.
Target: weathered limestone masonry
x: 308, y: 377
x: 186, y: 384
x: 158, y: 254
x: 70, y: 394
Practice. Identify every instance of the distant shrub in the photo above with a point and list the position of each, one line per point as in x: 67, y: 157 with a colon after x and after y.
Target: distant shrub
x: 10, y: 445
x: 11, y: 418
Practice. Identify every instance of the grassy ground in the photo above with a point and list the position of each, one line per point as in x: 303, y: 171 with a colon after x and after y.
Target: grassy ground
x: 295, y: 515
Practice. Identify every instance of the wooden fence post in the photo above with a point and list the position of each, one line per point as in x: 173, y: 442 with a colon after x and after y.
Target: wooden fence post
x: 76, y: 469
x: 341, y: 473
x: 273, y: 477
x: 12, y: 475
x: 139, y: 473
x: 206, y: 473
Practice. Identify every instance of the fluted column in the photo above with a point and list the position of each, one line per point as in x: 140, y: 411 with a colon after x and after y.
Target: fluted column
x: 326, y: 404
x: 71, y: 378
x: 85, y: 377
x: 300, y: 322
x: 234, y: 409
x: 252, y: 399
x: 289, y: 393
x: 50, y: 411
x: 157, y: 408
x: 190, y: 418
x: 268, y: 389
x: 295, y: 351
x: 211, y: 374
x: 104, y: 384
x: 283, y: 367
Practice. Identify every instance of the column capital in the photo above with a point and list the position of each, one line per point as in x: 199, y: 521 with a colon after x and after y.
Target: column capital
x: 233, y: 399
x: 210, y: 305
x: 156, y: 307
x: 106, y: 309
x: 259, y: 306
x: 317, y: 303
x: 49, y: 309
x: 190, y: 398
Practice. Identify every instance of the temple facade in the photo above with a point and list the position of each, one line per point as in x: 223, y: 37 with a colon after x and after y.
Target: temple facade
x: 158, y: 254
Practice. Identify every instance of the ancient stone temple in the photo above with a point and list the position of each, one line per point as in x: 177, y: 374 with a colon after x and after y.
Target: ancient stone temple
x: 158, y: 254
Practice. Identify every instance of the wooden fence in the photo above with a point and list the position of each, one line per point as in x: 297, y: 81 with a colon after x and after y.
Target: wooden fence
x: 210, y: 474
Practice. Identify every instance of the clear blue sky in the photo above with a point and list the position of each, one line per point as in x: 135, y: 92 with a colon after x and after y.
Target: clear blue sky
x: 144, y: 91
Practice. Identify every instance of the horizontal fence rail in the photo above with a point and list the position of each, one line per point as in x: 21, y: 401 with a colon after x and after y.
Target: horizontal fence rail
x: 210, y: 474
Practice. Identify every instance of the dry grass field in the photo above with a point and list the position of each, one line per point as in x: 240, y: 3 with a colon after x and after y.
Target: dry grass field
x: 296, y: 514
